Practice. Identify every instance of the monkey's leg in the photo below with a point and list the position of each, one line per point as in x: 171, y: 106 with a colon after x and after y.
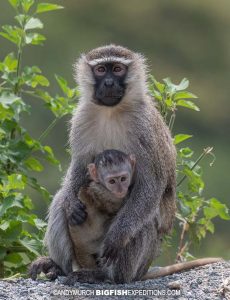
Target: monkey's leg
x: 134, y: 260
x: 45, y: 265
x: 167, y: 211
x: 57, y: 237
x: 132, y: 263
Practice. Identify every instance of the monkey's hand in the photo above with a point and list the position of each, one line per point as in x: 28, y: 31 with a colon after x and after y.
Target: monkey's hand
x: 75, y: 212
x: 47, y: 266
x: 114, y: 242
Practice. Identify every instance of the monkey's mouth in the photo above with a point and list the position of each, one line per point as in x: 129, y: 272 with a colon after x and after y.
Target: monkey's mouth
x: 120, y: 195
x: 109, y: 98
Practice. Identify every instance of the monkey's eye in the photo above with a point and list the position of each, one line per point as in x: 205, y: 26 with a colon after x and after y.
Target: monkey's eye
x: 111, y: 181
x: 119, y: 69
x: 123, y: 178
x: 99, y: 70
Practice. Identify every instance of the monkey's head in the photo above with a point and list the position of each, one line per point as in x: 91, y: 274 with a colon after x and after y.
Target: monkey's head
x: 111, y: 74
x: 114, y: 170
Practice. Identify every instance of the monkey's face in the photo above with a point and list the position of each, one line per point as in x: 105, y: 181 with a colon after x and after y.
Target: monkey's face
x: 118, y: 184
x: 109, y: 86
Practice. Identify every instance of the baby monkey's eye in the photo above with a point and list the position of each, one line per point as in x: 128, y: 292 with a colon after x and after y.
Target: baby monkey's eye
x: 99, y: 70
x: 123, y: 178
x: 111, y: 181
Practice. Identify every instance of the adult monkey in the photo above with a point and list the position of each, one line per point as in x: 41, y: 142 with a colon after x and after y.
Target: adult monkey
x: 115, y: 112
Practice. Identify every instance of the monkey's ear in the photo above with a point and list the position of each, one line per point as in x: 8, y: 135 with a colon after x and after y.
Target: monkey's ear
x: 93, y: 172
x: 132, y: 158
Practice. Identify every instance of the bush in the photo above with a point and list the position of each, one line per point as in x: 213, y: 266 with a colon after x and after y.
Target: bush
x: 195, y: 213
x: 21, y: 231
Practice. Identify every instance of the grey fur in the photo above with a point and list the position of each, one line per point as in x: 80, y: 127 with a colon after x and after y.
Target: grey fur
x: 87, y: 239
x: 133, y: 126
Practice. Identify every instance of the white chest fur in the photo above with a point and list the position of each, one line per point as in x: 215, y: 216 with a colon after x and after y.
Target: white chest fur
x: 100, y: 129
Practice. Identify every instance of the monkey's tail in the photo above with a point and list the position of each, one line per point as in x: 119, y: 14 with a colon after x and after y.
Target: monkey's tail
x: 168, y: 270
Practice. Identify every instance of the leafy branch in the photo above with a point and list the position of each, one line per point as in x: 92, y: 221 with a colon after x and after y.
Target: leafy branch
x: 195, y: 213
x: 20, y: 153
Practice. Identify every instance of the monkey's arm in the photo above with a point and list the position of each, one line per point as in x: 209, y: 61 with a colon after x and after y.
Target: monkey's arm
x: 141, y: 207
x: 74, y: 179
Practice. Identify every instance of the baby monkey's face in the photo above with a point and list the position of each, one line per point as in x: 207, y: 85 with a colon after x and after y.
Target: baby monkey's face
x: 118, y: 183
x: 114, y: 170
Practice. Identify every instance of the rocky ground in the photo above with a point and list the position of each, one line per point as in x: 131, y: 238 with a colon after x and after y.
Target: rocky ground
x: 209, y: 282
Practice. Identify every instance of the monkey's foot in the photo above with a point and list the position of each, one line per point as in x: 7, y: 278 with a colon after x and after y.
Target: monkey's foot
x: 47, y: 266
x: 85, y: 276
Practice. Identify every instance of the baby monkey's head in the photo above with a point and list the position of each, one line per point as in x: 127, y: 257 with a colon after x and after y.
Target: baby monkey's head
x: 114, y: 170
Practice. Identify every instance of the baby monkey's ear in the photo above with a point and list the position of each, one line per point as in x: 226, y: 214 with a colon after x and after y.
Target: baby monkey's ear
x: 132, y: 159
x: 93, y: 172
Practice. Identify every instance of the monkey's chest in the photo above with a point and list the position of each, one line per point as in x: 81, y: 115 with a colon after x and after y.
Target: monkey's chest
x: 106, y: 134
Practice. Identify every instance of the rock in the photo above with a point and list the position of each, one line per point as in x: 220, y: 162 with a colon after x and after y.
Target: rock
x: 207, y: 282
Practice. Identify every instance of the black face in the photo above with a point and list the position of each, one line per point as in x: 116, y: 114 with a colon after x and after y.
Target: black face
x: 110, y: 83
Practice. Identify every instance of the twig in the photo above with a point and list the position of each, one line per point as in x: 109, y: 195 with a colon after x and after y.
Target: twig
x: 48, y: 129
x: 181, y: 247
x: 206, y: 151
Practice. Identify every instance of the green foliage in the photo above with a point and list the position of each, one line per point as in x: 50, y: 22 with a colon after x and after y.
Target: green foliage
x: 195, y: 213
x: 21, y: 231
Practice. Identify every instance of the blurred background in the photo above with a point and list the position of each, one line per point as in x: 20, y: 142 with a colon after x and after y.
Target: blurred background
x: 180, y: 39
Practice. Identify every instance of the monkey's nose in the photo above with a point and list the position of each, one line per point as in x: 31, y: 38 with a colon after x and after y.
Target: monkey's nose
x: 109, y: 82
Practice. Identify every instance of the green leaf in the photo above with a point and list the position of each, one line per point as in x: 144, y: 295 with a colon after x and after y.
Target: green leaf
x: 184, y: 95
x: 158, y: 85
x: 9, y: 202
x: 14, y: 3
x: 174, y: 87
x: 34, y: 164
x: 14, y: 258
x: 27, y: 202
x: 20, y: 150
x: 40, y: 224
x: 186, y: 152
x: 4, y: 225
x: 180, y: 138
x: 220, y: 208
x: 26, y: 4
x: 39, y: 79
x: 210, y: 212
x: 188, y: 104
x: 64, y: 86
x: 50, y: 155
x: 43, y: 95
x: 183, y: 84
x: 21, y: 19
x: 7, y: 100
x: 14, y: 230
x: 34, y: 38
x: 13, y: 34
x: 195, y: 183
x: 16, y: 181
x: 10, y: 62
x: 31, y: 245
x: 33, y: 23
x: 43, y: 7
x: 210, y: 226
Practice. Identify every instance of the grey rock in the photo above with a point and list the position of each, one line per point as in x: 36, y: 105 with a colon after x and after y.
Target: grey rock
x: 201, y: 283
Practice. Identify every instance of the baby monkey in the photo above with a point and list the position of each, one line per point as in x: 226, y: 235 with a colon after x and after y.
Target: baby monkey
x: 110, y: 175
